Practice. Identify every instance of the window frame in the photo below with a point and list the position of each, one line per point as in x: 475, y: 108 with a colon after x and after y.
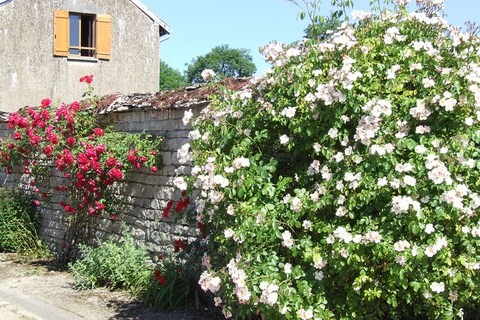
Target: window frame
x: 100, y: 43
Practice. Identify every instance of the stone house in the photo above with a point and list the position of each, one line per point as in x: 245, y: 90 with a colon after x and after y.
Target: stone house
x: 46, y: 46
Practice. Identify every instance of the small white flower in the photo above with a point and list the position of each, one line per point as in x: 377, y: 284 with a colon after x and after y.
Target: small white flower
x: 319, y: 275
x: 228, y: 233
x: 208, y: 74
x: 180, y: 183
x: 218, y: 301
x: 186, y: 117
x: 430, y: 251
x: 305, y: 314
x: 333, y: 133
x: 401, y: 260
x: 437, y: 287
x: 319, y: 263
x: 428, y: 82
x: 341, y: 211
x: 287, y: 240
x: 284, y: 139
x: 307, y: 224
x: 420, y: 149
x: 289, y: 112
x: 429, y: 228
x: 241, y: 163
x: 287, y: 268
x: 296, y: 204
x: 401, y: 245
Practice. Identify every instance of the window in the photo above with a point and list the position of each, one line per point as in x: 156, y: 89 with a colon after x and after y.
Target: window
x: 82, y: 35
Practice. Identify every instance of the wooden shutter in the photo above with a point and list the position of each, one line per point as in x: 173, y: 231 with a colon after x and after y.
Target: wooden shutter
x: 61, y: 30
x: 104, y: 31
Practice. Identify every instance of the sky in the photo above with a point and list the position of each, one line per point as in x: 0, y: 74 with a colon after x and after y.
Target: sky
x: 200, y: 25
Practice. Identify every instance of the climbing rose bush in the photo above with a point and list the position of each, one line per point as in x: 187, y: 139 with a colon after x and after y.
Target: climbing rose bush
x: 345, y: 184
x: 90, y: 158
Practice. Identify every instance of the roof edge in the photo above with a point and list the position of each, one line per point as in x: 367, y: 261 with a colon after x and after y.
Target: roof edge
x: 2, y: 3
x: 154, y: 17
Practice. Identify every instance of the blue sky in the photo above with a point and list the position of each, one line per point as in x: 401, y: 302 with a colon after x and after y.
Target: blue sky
x: 199, y: 25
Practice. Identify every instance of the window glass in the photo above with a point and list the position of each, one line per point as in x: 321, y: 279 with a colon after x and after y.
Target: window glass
x: 74, y: 30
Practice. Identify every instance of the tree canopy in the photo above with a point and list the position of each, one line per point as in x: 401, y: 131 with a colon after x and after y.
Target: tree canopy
x: 224, y: 61
x: 170, y: 78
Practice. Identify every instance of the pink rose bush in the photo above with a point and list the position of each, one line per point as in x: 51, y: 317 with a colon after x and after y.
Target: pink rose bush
x: 344, y: 184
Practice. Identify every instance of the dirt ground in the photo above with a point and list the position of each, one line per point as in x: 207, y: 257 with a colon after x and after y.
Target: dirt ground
x: 47, y: 283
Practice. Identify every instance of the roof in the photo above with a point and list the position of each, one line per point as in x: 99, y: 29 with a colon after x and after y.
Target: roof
x: 164, y: 28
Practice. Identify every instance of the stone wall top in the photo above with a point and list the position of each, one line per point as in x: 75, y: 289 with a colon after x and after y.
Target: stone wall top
x: 180, y: 98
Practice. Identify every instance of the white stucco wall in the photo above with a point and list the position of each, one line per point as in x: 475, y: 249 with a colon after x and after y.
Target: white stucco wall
x: 29, y: 72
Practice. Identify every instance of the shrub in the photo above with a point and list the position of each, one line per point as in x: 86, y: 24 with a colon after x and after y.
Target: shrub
x: 114, y: 264
x: 19, y: 222
x: 345, y: 184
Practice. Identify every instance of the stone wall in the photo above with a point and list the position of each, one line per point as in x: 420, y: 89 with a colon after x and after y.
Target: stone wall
x: 145, y: 193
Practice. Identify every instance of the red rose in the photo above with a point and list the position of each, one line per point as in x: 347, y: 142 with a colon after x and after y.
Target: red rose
x: 132, y: 156
x: 115, y: 174
x: 74, y: 106
x: 71, y: 141
x: 48, y: 150
x: 22, y: 122
x: 46, y: 102
x: 98, y: 132
x: 101, y: 148
x: 87, y: 79
x: 165, y: 213
x: 17, y: 135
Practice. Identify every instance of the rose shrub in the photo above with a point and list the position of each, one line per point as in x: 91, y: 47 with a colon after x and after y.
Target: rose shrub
x: 91, y: 159
x: 345, y: 184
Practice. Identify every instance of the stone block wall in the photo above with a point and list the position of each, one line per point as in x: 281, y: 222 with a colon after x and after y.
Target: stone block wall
x: 145, y: 193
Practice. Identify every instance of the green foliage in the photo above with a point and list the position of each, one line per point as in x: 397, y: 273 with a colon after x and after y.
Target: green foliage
x: 323, y: 28
x: 114, y: 264
x: 19, y: 222
x: 345, y: 185
x: 171, y: 78
x: 173, y: 282
x: 224, y: 61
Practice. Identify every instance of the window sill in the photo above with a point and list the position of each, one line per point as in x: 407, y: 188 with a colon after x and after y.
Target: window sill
x: 84, y: 59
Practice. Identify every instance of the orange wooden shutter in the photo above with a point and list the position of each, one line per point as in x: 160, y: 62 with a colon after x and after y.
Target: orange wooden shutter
x: 104, y: 30
x: 61, y: 30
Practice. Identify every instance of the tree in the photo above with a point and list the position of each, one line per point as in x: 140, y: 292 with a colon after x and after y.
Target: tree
x: 170, y: 78
x: 321, y: 29
x: 224, y: 61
